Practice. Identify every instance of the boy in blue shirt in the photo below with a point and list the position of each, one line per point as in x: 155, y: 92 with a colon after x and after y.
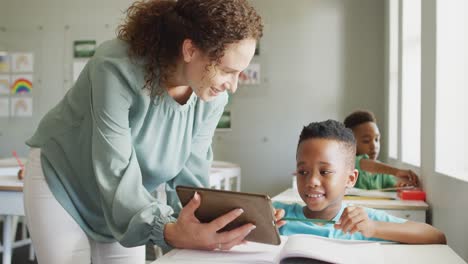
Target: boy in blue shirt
x: 325, y: 168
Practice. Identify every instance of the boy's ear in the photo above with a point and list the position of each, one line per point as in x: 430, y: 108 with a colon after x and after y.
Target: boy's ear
x: 352, y: 178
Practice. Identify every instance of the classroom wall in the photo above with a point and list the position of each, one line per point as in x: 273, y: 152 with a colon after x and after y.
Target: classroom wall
x: 320, y: 60
x: 48, y: 28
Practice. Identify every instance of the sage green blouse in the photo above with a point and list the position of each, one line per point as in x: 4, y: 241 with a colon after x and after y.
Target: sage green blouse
x: 106, y: 146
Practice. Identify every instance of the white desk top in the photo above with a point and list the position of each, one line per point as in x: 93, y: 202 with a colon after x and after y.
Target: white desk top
x: 11, y: 195
x: 291, y: 196
x: 10, y: 162
x: 9, y: 175
x: 10, y: 183
x: 401, y: 254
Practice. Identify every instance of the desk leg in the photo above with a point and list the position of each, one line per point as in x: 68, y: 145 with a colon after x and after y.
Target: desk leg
x: 7, y: 241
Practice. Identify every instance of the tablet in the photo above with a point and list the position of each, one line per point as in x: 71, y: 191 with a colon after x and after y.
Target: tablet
x: 258, y: 210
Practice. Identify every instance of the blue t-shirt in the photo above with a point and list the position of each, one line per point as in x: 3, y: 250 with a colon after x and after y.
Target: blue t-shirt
x: 327, y: 230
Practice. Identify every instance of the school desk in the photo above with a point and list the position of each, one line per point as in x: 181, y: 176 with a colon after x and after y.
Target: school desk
x: 411, y: 210
x: 11, y: 206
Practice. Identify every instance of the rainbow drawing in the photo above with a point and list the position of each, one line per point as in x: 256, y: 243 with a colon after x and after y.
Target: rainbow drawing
x: 21, y: 86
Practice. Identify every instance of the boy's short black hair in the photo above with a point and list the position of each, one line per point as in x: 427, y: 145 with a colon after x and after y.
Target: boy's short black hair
x: 333, y: 130
x: 359, y: 117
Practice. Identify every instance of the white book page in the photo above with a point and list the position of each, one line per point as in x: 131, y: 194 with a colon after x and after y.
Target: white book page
x: 333, y: 250
x: 370, y: 193
x: 249, y: 253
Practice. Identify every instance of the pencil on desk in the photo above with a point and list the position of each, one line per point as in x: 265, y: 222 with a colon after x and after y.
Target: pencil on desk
x: 18, y: 159
x: 322, y: 221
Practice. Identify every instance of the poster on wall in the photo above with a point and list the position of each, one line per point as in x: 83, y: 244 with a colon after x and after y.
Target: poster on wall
x: 21, y: 106
x: 4, y: 107
x: 4, y: 84
x: 84, y: 48
x: 22, y: 62
x: 4, y: 62
x: 21, y: 84
x: 251, y: 75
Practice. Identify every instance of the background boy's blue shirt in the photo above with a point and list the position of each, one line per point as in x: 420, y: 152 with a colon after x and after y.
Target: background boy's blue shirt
x: 327, y: 230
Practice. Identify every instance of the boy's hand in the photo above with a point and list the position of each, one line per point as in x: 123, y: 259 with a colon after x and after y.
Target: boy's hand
x: 279, y: 214
x: 409, y: 176
x: 403, y: 184
x: 354, y: 219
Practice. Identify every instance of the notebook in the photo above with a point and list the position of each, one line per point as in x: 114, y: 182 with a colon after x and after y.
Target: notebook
x: 356, y: 194
x: 302, y: 246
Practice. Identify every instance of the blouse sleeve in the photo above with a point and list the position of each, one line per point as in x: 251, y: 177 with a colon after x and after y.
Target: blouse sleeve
x: 196, y: 169
x: 132, y: 214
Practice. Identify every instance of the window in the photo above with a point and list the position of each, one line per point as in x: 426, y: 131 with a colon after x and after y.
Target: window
x: 411, y: 83
x: 452, y: 89
x: 393, y: 80
x: 404, y: 103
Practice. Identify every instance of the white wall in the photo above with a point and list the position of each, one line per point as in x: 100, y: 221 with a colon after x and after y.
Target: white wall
x: 321, y: 59
x: 48, y: 28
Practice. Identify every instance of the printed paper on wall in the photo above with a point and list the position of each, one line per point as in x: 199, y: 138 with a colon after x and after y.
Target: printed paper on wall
x: 22, y: 62
x: 251, y: 75
x: 21, y: 106
x: 4, y: 84
x: 4, y: 62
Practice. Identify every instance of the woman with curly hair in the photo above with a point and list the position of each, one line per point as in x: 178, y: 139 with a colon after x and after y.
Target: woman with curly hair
x: 141, y: 114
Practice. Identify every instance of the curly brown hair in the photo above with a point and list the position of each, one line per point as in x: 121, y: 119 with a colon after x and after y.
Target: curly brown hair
x: 156, y: 29
x: 359, y: 117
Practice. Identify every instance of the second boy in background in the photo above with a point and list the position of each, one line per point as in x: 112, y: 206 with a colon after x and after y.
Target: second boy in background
x: 325, y: 168
x: 374, y: 174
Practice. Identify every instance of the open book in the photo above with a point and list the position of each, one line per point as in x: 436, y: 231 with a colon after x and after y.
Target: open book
x: 355, y: 193
x: 296, y: 246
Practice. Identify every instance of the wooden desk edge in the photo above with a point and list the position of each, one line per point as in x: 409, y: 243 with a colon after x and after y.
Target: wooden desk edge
x: 11, y: 188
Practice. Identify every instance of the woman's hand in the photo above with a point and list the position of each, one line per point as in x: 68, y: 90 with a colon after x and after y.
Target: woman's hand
x: 355, y: 219
x: 409, y: 176
x: 188, y: 232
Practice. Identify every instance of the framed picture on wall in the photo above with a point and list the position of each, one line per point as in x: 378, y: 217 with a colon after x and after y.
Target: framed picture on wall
x: 4, y: 62
x: 224, y: 123
x: 84, y: 48
x: 251, y: 75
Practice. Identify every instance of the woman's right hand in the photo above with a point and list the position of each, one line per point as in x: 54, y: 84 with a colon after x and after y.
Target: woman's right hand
x: 188, y: 232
